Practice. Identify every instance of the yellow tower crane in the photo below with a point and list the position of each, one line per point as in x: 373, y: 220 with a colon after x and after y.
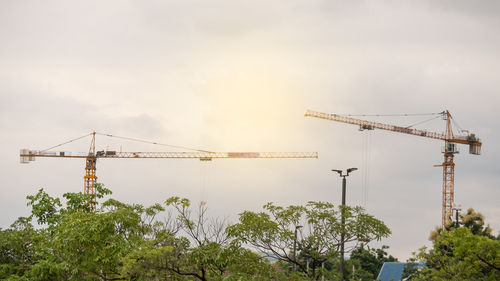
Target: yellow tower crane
x: 90, y: 177
x: 449, y: 150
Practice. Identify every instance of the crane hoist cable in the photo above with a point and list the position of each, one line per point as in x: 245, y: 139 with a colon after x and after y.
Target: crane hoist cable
x: 365, y: 164
x: 367, y: 147
x: 203, y: 179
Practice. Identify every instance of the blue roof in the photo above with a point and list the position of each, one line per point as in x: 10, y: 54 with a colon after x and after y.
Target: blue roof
x: 391, y: 271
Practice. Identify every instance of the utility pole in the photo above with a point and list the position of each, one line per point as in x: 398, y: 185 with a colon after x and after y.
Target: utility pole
x: 294, y: 267
x: 342, y: 234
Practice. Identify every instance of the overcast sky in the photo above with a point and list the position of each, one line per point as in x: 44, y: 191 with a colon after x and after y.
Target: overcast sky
x: 239, y: 76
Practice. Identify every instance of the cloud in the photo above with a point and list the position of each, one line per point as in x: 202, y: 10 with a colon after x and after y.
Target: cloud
x: 25, y: 110
x: 227, y: 75
x: 486, y: 9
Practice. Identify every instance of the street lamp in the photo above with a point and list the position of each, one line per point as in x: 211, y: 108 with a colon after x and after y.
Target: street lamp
x: 295, y: 248
x: 456, y: 208
x: 348, y: 171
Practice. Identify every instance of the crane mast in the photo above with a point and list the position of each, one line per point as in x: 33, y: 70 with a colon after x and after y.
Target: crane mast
x: 90, y: 177
x: 449, y: 149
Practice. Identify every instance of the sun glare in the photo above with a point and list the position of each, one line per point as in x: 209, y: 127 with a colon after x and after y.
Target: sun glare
x: 251, y: 100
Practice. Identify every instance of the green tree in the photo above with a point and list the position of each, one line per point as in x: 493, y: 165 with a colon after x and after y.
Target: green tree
x: 272, y: 232
x: 90, y: 237
x: 92, y: 244
x: 470, y: 219
x: 74, y: 242
x: 460, y: 255
x: 367, y: 262
x: 17, y: 250
x: 207, y: 253
x: 475, y: 222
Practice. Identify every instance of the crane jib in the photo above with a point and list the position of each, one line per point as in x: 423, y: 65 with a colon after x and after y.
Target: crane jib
x: 30, y: 155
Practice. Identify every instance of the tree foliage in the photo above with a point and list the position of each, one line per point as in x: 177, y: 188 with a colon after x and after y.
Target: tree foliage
x: 465, y: 253
x: 119, y: 241
x: 207, y: 253
x: 365, y: 263
x: 94, y: 237
x: 470, y: 219
x: 272, y: 232
x: 17, y: 251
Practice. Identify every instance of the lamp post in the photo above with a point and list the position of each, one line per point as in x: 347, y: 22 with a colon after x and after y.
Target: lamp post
x: 295, y: 248
x: 456, y: 208
x: 342, y: 234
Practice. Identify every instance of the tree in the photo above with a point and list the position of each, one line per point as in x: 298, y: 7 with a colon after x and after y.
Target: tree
x: 367, y: 262
x: 79, y: 238
x: 461, y: 255
x: 93, y: 243
x: 471, y: 219
x: 465, y: 253
x: 273, y: 232
x: 75, y: 242
x: 475, y: 222
x: 17, y: 251
x: 207, y: 254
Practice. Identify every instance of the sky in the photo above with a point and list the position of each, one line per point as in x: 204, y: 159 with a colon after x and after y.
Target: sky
x: 229, y: 75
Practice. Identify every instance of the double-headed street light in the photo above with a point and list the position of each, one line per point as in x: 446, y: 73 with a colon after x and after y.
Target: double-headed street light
x: 348, y: 171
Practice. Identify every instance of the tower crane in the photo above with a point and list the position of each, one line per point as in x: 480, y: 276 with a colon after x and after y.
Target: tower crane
x: 449, y: 150
x: 90, y: 177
